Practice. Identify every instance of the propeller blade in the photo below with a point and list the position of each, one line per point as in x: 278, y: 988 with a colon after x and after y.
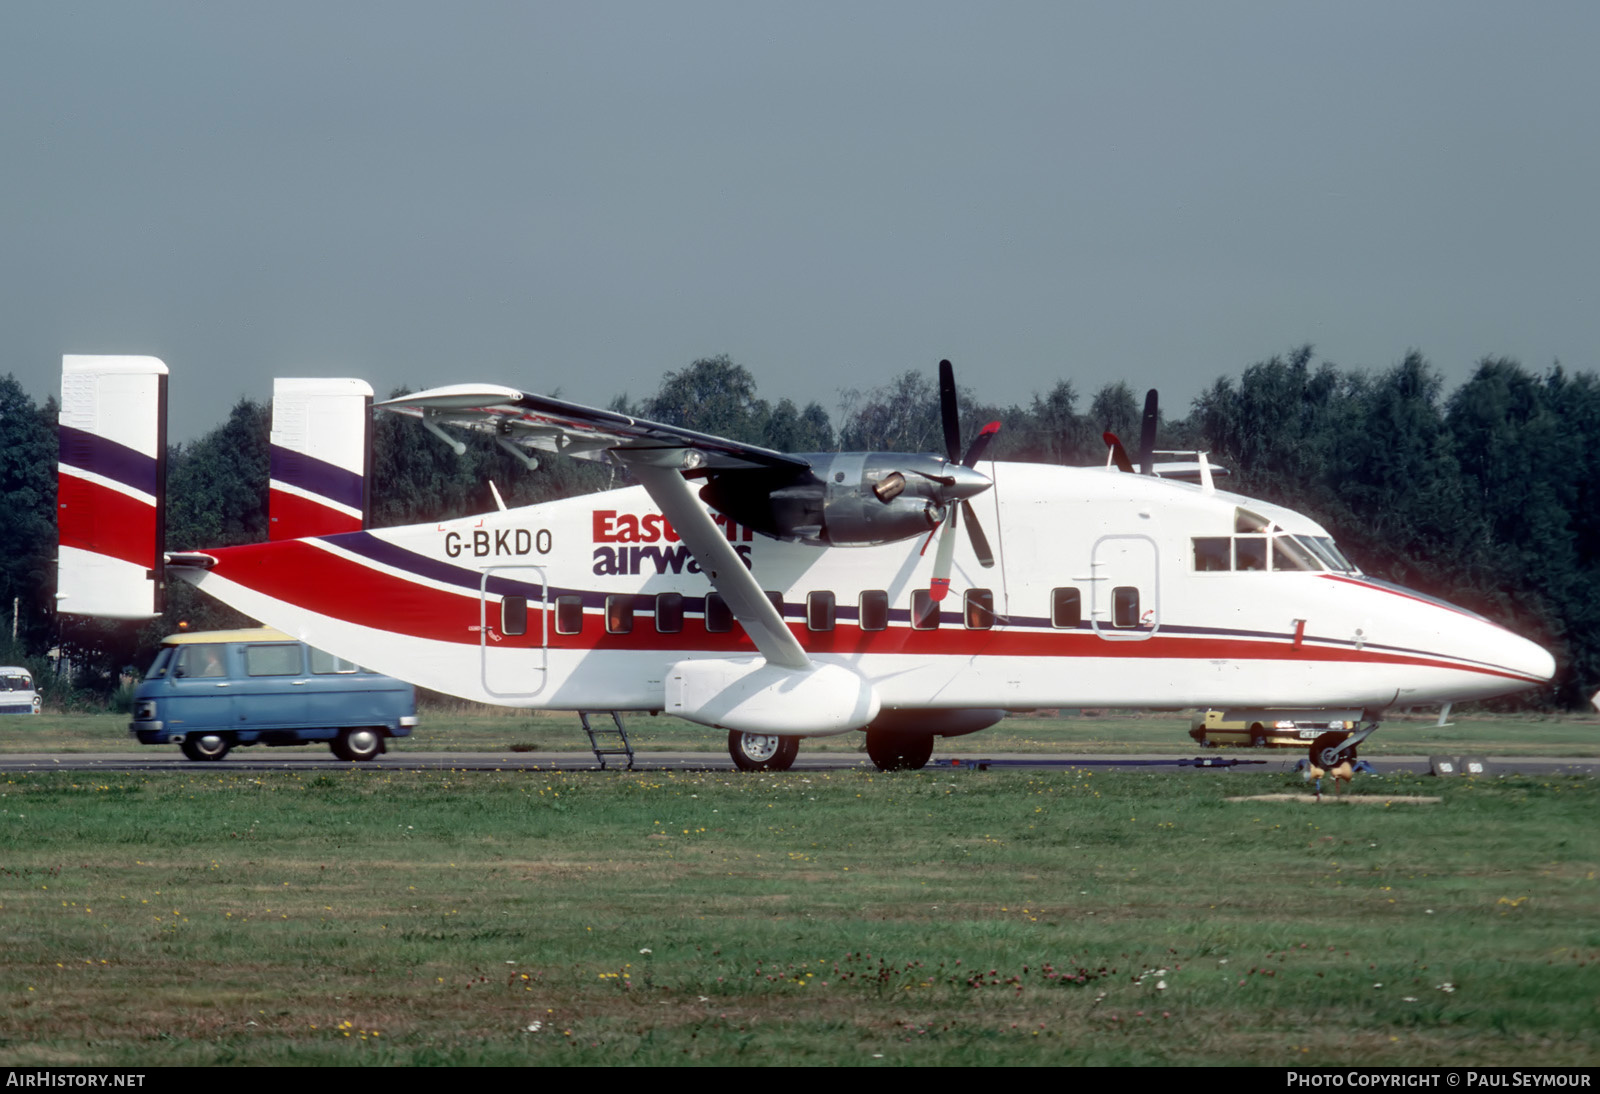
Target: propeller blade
x: 1119, y: 455
x: 1147, y: 435
x: 980, y: 444
x: 980, y: 542
x: 948, y: 413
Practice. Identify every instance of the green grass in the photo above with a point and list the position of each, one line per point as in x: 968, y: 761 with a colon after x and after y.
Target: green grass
x: 472, y: 728
x: 372, y: 916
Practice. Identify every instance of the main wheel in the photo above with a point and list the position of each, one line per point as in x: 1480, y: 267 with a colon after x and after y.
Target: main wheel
x: 206, y: 746
x: 762, y: 751
x: 357, y: 745
x: 1326, y: 753
x: 900, y: 751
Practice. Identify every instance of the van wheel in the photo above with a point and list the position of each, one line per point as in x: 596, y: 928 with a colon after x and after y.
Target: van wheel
x: 357, y: 745
x: 1258, y: 736
x: 206, y: 746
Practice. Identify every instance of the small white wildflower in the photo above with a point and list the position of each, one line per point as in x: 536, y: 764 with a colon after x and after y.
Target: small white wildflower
x: 645, y: 950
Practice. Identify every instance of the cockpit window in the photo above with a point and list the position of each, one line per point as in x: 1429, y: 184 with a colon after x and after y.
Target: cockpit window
x: 1246, y: 521
x: 1328, y: 551
x: 1213, y: 553
x: 1288, y: 554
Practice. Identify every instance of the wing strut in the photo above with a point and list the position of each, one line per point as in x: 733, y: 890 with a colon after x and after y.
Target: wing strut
x: 659, y: 472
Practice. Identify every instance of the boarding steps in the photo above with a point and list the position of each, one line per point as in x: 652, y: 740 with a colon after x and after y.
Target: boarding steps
x: 607, y: 741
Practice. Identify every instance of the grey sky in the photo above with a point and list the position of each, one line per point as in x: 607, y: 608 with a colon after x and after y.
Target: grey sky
x: 584, y: 195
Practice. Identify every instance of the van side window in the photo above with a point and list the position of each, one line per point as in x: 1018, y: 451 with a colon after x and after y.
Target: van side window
x: 513, y: 615
x: 874, y: 610
x: 1125, y: 606
x: 820, y: 611
x: 669, y: 613
x: 1066, y: 607
x: 619, y: 613
x: 276, y: 660
x: 325, y: 664
x: 719, y: 617
x: 924, y: 610
x: 202, y: 659
x: 980, y: 609
x: 569, y: 614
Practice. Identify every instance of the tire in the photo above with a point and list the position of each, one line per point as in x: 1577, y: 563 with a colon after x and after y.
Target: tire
x: 358, y: 745
x: 1326, y: 753
x: 204, y: 747
x: 762, y: 751
x: 900, y: 751
x: 1258, y: 736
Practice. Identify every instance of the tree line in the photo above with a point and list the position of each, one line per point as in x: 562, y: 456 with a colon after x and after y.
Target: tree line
x: 1484, y: 497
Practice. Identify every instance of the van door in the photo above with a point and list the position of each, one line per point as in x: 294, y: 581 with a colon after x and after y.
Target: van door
x: 513, y: 630
x: 1125, y: 593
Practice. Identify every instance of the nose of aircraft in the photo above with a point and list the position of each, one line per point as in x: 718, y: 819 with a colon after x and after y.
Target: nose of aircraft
x: 1517, y: 656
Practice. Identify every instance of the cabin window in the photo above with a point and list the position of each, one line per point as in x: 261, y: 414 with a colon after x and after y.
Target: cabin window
x: 980, y: 609
x: 278, y: 660
x: 874, y: 610
x: 820, y: 610
x: 1125, y: 606
x: 513, y: 615
x: 569, y: 614
x: 924, y: 610
x: 719, y: 617
x: 1213, y: 553
x: 669, y: 613
x: 1066, y: 607
x: 619, y: 614
x: 326, y: 664
x: 777, y: 601
x: 1250, y: 553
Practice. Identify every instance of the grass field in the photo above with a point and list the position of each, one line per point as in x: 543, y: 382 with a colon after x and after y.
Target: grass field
x: 473, y: 728
x: 372, y: 916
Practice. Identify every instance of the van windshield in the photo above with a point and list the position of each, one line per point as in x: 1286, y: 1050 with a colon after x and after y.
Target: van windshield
x: 158, y: 667
x: 15, y: 683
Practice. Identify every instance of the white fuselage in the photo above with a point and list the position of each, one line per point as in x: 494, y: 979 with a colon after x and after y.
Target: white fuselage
x: 1152, y: 625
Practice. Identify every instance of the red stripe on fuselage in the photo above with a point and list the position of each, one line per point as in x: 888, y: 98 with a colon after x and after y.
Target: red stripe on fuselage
x: 302, y: 574
x: 108, y: 522
x: 296, y: 517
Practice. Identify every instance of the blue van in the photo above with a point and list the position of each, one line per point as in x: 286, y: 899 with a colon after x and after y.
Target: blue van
x: 211, y: 691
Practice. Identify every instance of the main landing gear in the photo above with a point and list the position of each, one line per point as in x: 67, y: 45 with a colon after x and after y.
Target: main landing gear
x: 899, y: 751
x: 762, y: 751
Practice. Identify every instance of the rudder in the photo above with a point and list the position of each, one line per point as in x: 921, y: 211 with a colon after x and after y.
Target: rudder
x: 321, y: 454
x: 111, y: 486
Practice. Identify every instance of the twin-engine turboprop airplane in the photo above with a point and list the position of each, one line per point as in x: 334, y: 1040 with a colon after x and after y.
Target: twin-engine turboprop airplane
x: 782, y: 596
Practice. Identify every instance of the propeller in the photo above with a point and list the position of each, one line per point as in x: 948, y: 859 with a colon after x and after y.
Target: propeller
x: 960, y: 487
x: 1147, y: 440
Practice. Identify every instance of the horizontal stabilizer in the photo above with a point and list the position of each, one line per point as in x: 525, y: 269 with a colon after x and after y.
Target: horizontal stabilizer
x: 111, y: 481
x: 321, y: 453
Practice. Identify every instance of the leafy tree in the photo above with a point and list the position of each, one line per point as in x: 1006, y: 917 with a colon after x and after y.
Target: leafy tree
x: 28, y: 529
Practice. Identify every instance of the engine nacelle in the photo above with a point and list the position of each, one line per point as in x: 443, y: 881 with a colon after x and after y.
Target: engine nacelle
x: 849, y: 499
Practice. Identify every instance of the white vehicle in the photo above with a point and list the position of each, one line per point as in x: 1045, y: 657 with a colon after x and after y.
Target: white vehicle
x: 783, y: 596
x: 17, y: 694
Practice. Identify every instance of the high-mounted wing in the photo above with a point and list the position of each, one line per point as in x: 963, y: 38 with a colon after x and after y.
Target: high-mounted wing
x: 522, y: 420
x: 658, y: 455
